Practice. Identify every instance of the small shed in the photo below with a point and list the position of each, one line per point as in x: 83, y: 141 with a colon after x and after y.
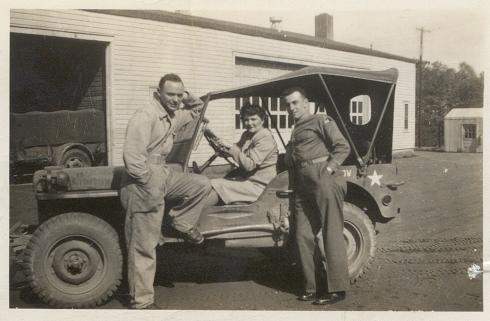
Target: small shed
x: 463, y: 130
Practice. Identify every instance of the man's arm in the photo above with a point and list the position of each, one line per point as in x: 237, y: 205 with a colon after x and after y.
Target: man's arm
x: 192, y: 108
x: 336, y: 143
x: 135, y: 154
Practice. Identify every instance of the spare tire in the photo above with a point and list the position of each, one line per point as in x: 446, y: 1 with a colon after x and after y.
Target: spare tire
x: 75, y: 158
x: 74, y: 260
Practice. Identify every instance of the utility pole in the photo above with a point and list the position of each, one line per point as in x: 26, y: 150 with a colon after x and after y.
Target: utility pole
x: 419, y: 109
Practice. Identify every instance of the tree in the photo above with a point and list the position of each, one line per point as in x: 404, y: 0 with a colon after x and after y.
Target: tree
x: 444, y: 89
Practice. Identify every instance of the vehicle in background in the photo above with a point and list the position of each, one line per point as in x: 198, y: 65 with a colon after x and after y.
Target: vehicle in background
x: 67, y: 138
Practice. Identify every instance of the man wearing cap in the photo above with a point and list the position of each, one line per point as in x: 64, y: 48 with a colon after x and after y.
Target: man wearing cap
x: 316, y: 149
x: 149, y: 139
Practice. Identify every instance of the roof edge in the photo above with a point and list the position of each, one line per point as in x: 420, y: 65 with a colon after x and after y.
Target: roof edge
x: 249, y: 30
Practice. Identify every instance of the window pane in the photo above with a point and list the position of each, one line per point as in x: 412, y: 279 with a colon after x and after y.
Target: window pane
x: 274, y: 104
x: 360, y: 110
x: 266, y: 122
x: 238, y: 121
x: 273, y: 121
x: 290, y: 121
x: 264, y: 102
x: 406, y: 116
x: 282, y: 121
x: 237, y: 103
x: 256, y: 100
x: 282, y: 106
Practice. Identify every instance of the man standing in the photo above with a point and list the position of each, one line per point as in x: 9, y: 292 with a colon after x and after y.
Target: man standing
x: 316, y: 149
x: 149, y: 139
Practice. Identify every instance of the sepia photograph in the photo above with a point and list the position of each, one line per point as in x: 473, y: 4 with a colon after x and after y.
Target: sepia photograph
x: 263, y: 156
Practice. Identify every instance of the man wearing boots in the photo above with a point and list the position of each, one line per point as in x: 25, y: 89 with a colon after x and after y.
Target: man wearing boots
x: 316, y: 149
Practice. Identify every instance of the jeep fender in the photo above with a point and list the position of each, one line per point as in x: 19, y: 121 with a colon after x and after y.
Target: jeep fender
x: 378, y: 201
x: 371, y: 201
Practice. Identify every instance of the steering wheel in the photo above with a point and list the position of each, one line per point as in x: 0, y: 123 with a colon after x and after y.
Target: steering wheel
x: 215, y: 143
x: 220, y: 150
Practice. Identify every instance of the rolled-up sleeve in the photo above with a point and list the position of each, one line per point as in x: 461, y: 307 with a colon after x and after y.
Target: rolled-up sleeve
x: 262, y: 147
x: 336, y: 143
x: 135, y: 154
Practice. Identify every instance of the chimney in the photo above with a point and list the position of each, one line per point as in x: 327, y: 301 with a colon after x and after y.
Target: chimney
x: 324, y: 26
x: 276, y: 23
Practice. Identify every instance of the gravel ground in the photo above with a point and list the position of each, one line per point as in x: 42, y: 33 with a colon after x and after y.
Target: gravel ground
x: 421, y: 261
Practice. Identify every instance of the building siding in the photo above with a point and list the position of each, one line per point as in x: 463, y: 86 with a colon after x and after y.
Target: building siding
x: 143, y: 50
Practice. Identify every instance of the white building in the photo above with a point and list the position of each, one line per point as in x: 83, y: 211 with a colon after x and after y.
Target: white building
x: 463, y: 130
x: 113, y: 59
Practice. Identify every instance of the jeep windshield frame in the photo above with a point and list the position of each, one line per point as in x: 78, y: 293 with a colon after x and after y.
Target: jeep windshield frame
x: 332, y: 86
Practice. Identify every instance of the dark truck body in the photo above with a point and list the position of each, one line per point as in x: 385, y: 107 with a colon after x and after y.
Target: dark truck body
x: 40, y: 139
x: 372, y: 178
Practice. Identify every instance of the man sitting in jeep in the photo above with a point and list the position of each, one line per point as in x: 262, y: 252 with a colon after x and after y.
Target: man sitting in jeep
x: 256, y: 155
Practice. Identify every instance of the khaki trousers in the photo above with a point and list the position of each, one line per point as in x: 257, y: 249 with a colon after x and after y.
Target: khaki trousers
x: 143, y: 230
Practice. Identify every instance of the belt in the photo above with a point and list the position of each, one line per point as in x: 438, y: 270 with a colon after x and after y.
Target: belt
x: 311, y: 161
x: 156, y: 159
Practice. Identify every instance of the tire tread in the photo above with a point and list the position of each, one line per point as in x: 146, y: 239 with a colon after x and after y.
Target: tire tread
x: 35, y: 244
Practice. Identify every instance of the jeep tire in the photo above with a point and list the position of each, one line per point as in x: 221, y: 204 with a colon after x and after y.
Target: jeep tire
x: 360, y: 239
x: 74, y: 260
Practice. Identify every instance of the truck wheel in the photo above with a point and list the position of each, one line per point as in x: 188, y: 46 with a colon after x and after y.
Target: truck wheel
x: 75, y: 158
x: 74, y: 260
x: 359, y: 236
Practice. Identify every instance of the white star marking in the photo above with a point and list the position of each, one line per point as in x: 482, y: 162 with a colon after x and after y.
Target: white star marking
x: 375, y: 178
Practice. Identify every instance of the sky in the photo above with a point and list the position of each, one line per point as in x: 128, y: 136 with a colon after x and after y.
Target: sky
x: 457, y: 27
x: 456, y: 35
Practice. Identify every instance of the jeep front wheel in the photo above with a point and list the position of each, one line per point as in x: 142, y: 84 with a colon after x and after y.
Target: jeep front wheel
x: 74, y: 260
x: 360, y: 239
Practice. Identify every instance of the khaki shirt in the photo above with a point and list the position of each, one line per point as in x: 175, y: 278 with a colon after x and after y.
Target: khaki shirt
x: 256, y: 154
x: 151, y: 131
x: 314, y: 137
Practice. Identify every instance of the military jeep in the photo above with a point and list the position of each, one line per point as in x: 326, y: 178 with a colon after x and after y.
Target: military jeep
x: 75, y: 257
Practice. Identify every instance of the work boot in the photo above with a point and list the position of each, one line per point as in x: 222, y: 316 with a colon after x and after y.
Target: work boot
x: 307, y: 296
x: 193, y: 236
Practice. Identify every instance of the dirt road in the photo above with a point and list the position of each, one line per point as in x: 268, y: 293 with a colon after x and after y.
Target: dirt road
x: 421, y: 262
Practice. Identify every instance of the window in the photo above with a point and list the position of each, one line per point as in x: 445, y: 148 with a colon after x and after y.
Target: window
x: 469, y: 130
x: 360, y: 110
x: 405, y: 118
x: 279, y: 117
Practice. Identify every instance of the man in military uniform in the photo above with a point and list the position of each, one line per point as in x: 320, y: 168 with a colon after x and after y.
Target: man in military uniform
x: 149, y: 139
x: 316, y: 149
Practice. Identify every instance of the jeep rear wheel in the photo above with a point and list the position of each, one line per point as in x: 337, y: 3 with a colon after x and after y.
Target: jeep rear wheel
x: 74, y: 260
x: 359, y: 236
